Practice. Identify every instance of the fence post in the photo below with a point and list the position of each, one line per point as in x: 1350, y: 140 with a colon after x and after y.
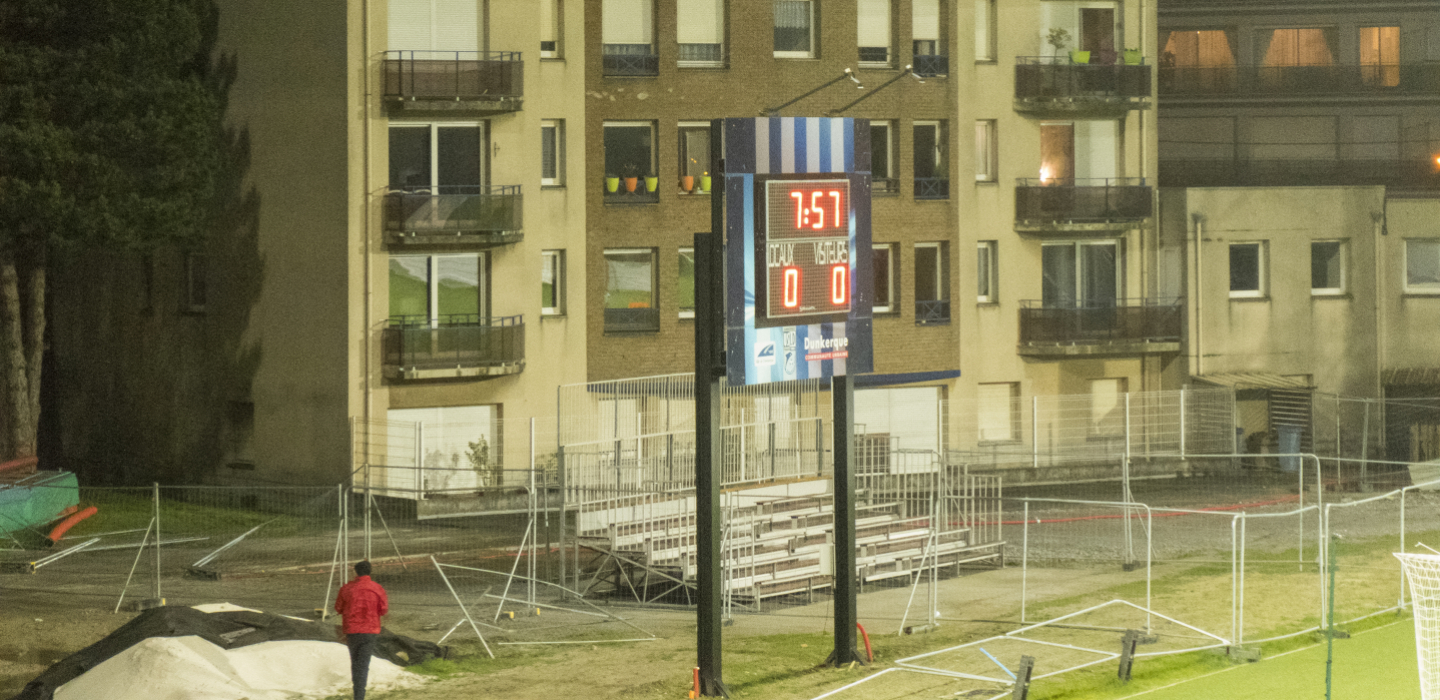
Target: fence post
x: 1182, y: 425
x: 420, y: 460
x: 1402, y: 548
x: 1024, y: 557
x: 1035, y: 432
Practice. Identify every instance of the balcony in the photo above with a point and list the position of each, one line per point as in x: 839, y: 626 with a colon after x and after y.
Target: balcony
x: 633, y: 320
x: 629, y: 61
x: 932, y: 188
x: 1118, y: 327
x: 453, y: 347
x: 930, y: 66
x: 1048, y: 86
x: 932, y: 312
x: 474, y: 217
x: 1299, y: 81
x: 1079, y: 206
x: 1400, y: 173
x: 474, y: 82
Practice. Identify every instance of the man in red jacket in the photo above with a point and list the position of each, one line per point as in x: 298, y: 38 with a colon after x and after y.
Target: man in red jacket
x: 361, y: 603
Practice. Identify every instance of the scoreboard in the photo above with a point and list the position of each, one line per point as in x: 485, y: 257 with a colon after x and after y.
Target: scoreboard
x: 805, y: 243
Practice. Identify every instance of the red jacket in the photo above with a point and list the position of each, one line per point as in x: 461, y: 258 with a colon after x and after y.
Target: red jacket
x: 362, y: 602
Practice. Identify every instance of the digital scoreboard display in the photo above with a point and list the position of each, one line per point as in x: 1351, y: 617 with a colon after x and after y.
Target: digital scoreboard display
x: 803, y: 235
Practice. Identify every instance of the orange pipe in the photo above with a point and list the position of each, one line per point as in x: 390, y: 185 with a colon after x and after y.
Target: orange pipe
x: 696, y: 675
x: 868, y: 653
x: 70, y: 522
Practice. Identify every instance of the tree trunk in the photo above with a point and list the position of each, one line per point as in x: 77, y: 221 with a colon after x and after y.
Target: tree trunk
x: 20, y: 356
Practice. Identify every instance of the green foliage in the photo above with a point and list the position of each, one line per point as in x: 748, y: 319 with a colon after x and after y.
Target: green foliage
x: 1058, y: 38
x: 110, y: 122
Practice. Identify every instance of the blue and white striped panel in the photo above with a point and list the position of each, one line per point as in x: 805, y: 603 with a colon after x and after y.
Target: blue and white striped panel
x: 804, y: 145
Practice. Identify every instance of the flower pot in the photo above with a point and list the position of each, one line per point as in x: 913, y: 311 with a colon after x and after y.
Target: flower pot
x: 1132, y: 57
x: 704, y: 183
x: 652, y: 183
x: 612, y: 184
x: 630, y: 184
x: 1079, y: 56
x: 687, y: 183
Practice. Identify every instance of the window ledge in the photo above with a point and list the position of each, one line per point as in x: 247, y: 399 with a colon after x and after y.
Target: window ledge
x: 1262, y: 297
x: 888, y: 314
x: 986, y: 62
x: 987, y: 182
x: 998, y: 443
x: 1420, y: 294
x: 551, y: 314
x: 990, y: 304
x: 1329, y: 295
x: 552, y: 187
x: 702, y: 65
x: 552, y: 59
x: 628, y: 334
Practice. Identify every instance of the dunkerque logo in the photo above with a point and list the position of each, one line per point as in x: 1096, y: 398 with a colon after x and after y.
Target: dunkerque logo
x: 764, y: 353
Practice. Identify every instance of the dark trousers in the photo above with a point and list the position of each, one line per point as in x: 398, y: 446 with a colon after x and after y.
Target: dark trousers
x: 361, y: 647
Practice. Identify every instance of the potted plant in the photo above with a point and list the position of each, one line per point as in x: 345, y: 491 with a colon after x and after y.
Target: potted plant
x: 687, y: 183
x: 1132, y: 57
x: 1081, y: 57
x: 705, y: 181
x: 630, y: 179
x: 612, y: 183
x: 652, y: 182
x: 1058, y: 39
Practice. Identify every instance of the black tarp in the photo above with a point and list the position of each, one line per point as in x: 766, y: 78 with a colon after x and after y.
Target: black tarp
x: 227, y: 630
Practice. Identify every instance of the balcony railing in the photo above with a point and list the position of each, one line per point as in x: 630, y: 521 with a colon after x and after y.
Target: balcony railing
x: 1045, y: 84
x: 884, y: 187
x: 1079, y: 205
x: 493, y: 79
x: 475, y: 215
x: 932, y: 188
x: 1118, y: 322
x: 644, y: 320
x: 932, y: 312
x: 1405, y: 173
x: 461, y: 345
x: 1401, y: 78
x: 930, y: 66
x: 629, y: 60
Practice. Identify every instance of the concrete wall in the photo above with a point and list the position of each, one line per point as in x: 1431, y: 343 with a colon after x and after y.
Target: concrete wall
x: 1409, y: 321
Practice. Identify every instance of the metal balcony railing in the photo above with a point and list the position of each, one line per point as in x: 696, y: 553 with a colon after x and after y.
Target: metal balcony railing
x: 644, y: 320
x: 930, y: 66
x: 1396, y: 78
x: 454, y: 75
x: 1083, y: 201
x: 456, y: 210
x: 416, y: 344
x: 1403, y: 173
x: 1105, y: 322
x: 1039, y: 78
x: 932, y: 312
x: 932, y: 188
x: 629, y: 60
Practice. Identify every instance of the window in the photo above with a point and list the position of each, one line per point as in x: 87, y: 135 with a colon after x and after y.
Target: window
x: 685, y: 284
x: 873, y: 35
x: 1207, y: 48
x: 986, y: 259
x: 1327, y: 267
x: 196, y: 289
x: 436, y: 159
x: 694, y: 157
x: 701, y: 32
x: 550, y: 13
x: 1107, y: 407
x: 439, y: 289
x: 1422, y: 265
x: 627, y: 37
x: 986, y: 163
x: 883, y: 260
x: 552, y: 152
x: 552, y: 283
x: 932, y: 175
x: 1295, y: 47
x: 1380, y: 56
x: 1247, y: 270
x: 925, y: 27
x: 1081, y: 275
x: 985, y: 31
x: 932, y: 283
x: 630, y: 304
x: 629, y: 157
x: 434, y: 25
x: 998, y: 412
x: 794, y: 29
x: 882, y: 159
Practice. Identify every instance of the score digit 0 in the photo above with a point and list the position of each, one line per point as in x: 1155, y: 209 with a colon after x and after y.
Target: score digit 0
x: 792, y: 287
x: 839, y: 284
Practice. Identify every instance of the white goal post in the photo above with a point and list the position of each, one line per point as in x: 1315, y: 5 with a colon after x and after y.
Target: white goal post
x: 1423, y: 571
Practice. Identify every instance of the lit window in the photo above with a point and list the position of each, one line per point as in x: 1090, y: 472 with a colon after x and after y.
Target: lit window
x: 1247, y: 269
x: 552, y: 283
x: 1327, y: 267
x: 1380, y: 56
x: 794, y: 29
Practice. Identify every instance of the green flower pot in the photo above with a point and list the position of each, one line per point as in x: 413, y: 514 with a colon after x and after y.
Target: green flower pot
x: 704, y: 183
x: 1079, y: 56
x: 612, y: 184
x: 651, y: 184
x: 1132, y: 57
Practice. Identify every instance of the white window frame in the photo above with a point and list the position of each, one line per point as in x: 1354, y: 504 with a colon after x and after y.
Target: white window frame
x: 942, y: 141
x: 987, y: 162
x: 888, y: 146
x: 552, y: 24
x: 942, y: 269
x: 862, y: 25
x: 1426, y: 288
x: 925, y: 25
x: 1344, y: 270
x: 681, y: 25
x: 985, y: 31
x: 684, y: 153
x: 434, y: 127
x: 987, y: 278
x: 654, y: 146
x: 684, y: 312
x: 432, y: 282
x: 553, y: 261
x: 891, y: 288
x: 654, y: 281
x: 984, y: 415
x: 556, y: 129
x: 798, y: 54
x: 1262, y: 277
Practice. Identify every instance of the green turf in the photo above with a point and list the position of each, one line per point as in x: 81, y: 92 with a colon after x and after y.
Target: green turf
x: 1378, y: 663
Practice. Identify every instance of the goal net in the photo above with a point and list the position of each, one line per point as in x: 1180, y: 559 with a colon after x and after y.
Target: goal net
x: 1423, y: 571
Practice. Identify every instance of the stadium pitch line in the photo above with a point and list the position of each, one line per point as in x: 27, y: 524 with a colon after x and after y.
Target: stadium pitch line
x: 1232, y: 668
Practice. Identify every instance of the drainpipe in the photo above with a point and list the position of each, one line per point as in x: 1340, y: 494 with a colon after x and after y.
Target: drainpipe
x: 365, y: 231
x: 1380, y: 230
x: 1196, y: 340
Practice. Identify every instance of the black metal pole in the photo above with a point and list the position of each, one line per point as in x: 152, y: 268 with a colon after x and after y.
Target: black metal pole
x: 842, y: 393
x: 709, y: 368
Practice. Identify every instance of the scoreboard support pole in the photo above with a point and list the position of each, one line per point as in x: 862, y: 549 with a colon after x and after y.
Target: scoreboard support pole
x: 842, y: 392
